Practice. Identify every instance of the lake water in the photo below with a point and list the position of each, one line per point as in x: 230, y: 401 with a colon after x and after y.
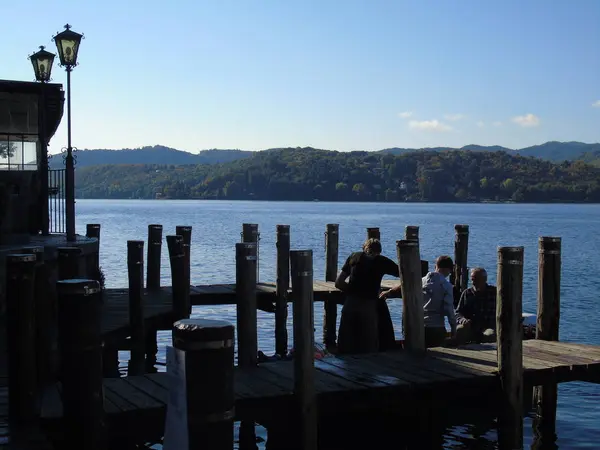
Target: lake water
x: 217, y: 226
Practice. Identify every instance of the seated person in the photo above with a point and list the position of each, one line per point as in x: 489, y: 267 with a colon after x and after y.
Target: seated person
x: 359, y: 327
x: 476, y: 310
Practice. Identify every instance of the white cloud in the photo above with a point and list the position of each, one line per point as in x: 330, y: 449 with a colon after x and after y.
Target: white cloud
x: 454, y: 117
x: 480, y: 124
x: 497, y: 123
x: 405, y: 115
x: 596, y: 104
x: 429, y: 125
x: 528, y: 120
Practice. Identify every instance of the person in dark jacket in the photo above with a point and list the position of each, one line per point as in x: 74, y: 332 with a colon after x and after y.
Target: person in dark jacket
x: 360, y: 278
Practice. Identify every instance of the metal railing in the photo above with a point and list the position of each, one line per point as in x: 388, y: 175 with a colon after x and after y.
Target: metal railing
x: 56, y: 201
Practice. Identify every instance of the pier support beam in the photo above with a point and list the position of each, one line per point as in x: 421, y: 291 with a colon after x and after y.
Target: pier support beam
x: 80, y: 344
x: 460, y: 276
x: 332, y: 236
x: 509, y: 311
x: 250, y: 233
x: 283, y: 286
x: 547, y: 328
x: 69, y: 262
x: 181, y: 292
x: 373, y: 233
x: 186, y: 233
x: 154, y: 254
x: 245, y: 292
x: 135, y: 270
x: 413, y: 320
x: 304, y: 346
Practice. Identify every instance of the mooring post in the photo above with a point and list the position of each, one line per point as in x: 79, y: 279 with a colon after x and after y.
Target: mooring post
x: 42, y: 317
x: 20, y: 331
x: 181, y: 297
x: 245, y: 293
x: 186, y: 233
x: 460, y: 276
x: 200, y: 370
x: 373, y: 233
x: 154, y: 255
x: 135, y: 271
x: 153, y: 284
x: 547, y: 326
x: 332, y: 236
x: 69, y: 262
x: 283, y: 287
x: 304, y: 346
x: 80, y: 345
x: 250, y: 233
x: 411, y: 233
x: 92, y: 230
x: 509, y: 310
x: 413, y: 322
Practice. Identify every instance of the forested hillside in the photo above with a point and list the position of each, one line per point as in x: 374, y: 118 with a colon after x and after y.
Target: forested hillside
x: 308, y: 174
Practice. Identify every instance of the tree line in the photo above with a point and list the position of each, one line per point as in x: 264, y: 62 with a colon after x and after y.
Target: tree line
x: 311, y: 174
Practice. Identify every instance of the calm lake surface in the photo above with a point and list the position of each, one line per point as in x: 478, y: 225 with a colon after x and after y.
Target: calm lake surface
x: 217, y: 226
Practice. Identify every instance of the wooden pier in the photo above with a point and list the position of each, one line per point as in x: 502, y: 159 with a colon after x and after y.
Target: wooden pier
x: 87, y: 392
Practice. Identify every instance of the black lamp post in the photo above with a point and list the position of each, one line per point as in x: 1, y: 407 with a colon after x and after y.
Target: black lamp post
x: 42, y: 62
x: 67, y: 44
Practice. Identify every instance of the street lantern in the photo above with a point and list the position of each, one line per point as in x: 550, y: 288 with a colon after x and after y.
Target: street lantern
x: 42, y: 61
x: 67, y: 44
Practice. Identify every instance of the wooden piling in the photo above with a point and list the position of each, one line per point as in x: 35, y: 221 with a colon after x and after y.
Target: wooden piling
x: 43, y: 315
x: 373, y: 233
x: 69, y: 264
x: 509, y: 311
x: 411, y: 233
x: 283, y: 286
x: 80, y: 345
x: 250, y: 233
x: 304, y: 341
x: 332, y: 237
x: 135, y: 271
x: 92, y: 230
x: 205, y: 349
x: 460, y: 276
x: 180, y: 286
x: 547, y: 328
x: 245, y: 292
x: 186, y: 233
x: 154, y: 255
x: 413, y: 320
x: 20, y: 331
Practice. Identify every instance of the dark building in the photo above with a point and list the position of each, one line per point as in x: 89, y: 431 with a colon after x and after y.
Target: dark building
x: 31, y: 199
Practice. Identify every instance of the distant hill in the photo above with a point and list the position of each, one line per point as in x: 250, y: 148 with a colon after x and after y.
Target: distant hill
x: 157, y: 154
x: 552, y: 151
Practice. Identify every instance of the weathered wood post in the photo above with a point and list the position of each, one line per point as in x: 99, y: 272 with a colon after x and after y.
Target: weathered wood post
x: 245, y: 292
x: 200, y: 367
x: 69, y: 262
x: 250, y: 233
x: 332, y: 236
x: 43, y: 317
x: 186, y: 233
x: 304, y: 342
x: 547, y: 327
x: 135, y: 271
x: 92, y: 230
x: 460, y: 276
x: 20, y: 331
x: 373, y: 233
x: 80, y: 345
x: 509, y: 310
x: 283, y: 286
x: 153, y: 284
x: 413, y: 321
x: 181, y: 297
x: 411, y: 233
x: 154, y: 254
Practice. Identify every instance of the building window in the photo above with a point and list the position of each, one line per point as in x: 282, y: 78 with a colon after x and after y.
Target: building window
x: 18, y: 152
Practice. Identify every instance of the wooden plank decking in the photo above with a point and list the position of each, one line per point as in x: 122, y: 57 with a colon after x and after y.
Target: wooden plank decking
x: 158, y: 304
x: 367, y: 382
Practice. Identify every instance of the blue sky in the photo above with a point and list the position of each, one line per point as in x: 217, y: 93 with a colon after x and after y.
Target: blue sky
x: 344, y: 75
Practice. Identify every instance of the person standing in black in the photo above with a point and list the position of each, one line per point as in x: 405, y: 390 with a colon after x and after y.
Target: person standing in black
x: 363, y: 320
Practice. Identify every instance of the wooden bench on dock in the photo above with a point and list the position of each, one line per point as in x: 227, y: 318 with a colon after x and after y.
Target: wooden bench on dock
x: 136, y: 404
